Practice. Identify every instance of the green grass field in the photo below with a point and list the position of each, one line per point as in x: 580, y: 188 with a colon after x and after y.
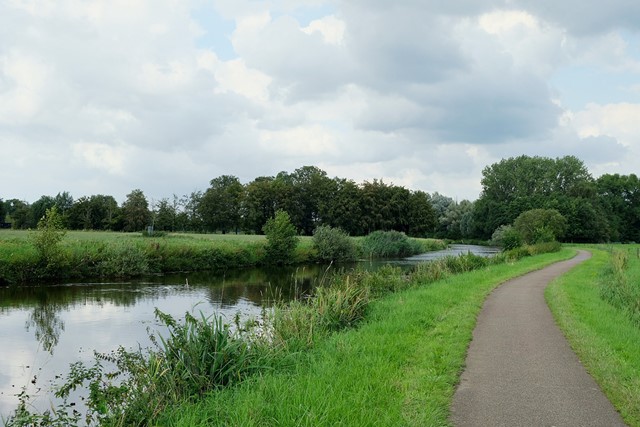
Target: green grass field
x: 400, y: 367
x: 604, y: 337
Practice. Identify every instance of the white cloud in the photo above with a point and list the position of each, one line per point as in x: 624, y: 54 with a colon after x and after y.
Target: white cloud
x: 104, y: 96
x: 331, y: 28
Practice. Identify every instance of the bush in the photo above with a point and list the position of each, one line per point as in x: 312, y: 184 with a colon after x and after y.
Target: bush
x: 123, y: 261
x: 48, y: 236
x: 506, y: 237
x: 389, y: 244
x: 333, y: 244
x: 540, y: 225
x: 282, y: 238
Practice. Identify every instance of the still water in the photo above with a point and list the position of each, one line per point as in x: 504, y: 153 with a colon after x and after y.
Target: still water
x: 45, y: 328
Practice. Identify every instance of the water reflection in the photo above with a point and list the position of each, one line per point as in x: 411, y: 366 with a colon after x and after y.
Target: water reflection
x: 44, y: 328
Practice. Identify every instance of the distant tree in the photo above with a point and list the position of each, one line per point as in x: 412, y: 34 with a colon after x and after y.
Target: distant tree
x: 619, y: 197
x: 421, y: 216
x: 516, y: 185
x: 19, y: 214
x: 40, y: 207
x: 220, y: 206
x: 3, y: 211
x: 457, y: 221
x: 135, y: 211
x: 259, y: 203
x: 540, y: 225
x: 282, y: 238
x: 311, y: 187
x: 165, y: 215
x: 343, y: 208
x: 97, y: 212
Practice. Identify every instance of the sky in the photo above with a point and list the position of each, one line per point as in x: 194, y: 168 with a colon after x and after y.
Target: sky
x: 107, y: 96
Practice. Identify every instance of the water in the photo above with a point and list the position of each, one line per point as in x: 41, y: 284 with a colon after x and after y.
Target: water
x: 45, y: 328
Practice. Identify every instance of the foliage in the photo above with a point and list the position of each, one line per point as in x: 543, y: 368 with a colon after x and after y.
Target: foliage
x: 135, y: 211
x: 333, y: 244
x: 603, y: 336
x: 540, y: 225
x: 48, y: 237
x: 404, y: 361
x: 282, y: 238
x: 619, y: 283
x: 389, y: 244
x: 506, y: 237
x: 619, y: 197
x: 516, y: 185
x: 220, y: 206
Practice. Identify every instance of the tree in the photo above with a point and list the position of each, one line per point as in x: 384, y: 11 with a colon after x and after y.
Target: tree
x: 97, y: 212
x: 19, y: 214
x: 422, y: 218
x: 282, y: 238
x: 49, y: 234
x: 259, y: 203
x: 516, y: 185
x: 310, y: 187
x: 540, y: 225
x: 343, y: 207
x: 3, y: 211
x: 619, y: 197
x: 40, y: 207
x: 220, y: 206
x: 135, y: 211
x: 165, y: 215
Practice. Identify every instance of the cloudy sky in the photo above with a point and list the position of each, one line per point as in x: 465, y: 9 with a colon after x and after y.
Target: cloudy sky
x: 105, y: 96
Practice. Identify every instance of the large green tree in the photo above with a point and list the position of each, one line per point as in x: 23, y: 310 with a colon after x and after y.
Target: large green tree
x: 135, y: 211
x: 619, y: 196
x: 259, y: 203
x: 96, y: 212
x: 220, y: 206
x: 519, y: 184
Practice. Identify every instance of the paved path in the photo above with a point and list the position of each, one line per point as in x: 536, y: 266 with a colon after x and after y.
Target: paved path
x: 520, y: 370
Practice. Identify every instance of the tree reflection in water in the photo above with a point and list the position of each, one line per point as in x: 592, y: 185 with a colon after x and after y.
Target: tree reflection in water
x: 47, y: 324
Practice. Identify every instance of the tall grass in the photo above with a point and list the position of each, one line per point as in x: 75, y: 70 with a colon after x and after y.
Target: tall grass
x: 603, y: 334
x: 400, y: 367
x: 394, y: 244
x: 619, y: 284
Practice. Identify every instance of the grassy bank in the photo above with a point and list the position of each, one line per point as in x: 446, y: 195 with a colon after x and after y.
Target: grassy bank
x: 603, y: 334
x: 400, y: 367
x: 106, y: 254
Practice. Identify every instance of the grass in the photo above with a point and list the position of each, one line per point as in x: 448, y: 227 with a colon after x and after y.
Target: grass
x: 83, y: 254
x: 400, y: 367
x: 604, y: 337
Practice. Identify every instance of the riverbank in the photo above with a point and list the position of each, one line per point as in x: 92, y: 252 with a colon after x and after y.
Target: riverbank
x: 106, y: 254
x: 400, y: 366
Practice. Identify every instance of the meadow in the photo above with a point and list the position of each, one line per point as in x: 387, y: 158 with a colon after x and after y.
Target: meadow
x: 91, y: 254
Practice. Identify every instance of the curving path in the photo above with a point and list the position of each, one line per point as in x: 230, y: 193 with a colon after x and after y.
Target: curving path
x: 520, y: 370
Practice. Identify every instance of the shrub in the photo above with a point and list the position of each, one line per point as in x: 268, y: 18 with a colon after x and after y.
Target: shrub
x: 122, y: 261
x: 282, y: 238
x: 540, y: 225
x: 506, y: 237
x: 48, y: 236
x: 389, y: 244
x: 333, y: 244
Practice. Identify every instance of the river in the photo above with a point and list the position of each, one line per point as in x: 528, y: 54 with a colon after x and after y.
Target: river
x: 45, y: 328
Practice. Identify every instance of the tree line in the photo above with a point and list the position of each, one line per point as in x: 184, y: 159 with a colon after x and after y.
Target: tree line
x: 603, y: 209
